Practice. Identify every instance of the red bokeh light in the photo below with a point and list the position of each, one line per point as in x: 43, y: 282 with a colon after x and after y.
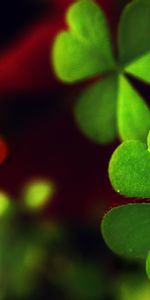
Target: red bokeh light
x: 3, y: 150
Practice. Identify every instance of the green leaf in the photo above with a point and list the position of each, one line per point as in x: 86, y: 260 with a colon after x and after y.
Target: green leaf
x: 84, y: 50
x: 126, y: 230
x: 140, y: 68
x: 134, y: 40
x: 133, y: 113
x: 129, y: 169
x: 95, y: 112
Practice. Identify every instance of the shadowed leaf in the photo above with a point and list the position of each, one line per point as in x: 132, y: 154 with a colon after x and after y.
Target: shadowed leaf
x: 134, y: 41
x: 126, y: 230
x: 140, y: 68
x: 95, y: 112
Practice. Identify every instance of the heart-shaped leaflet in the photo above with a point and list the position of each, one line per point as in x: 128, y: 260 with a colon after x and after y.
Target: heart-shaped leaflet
x: 84, y: 50
x: 95, y: 112
x: 126, y: 230
x: 129, y: 169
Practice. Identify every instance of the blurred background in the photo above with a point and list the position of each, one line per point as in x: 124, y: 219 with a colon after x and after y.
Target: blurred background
x: 54, y: 187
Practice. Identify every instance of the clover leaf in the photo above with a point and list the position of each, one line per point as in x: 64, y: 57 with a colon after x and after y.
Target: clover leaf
x: 133, y: 113
x: 129, y: 169
x: 140, y: 68
x: 126, y: 230
x: 92, y: 110
x: 134, y: 43
x: 134, y: 40
x: 85, y: 51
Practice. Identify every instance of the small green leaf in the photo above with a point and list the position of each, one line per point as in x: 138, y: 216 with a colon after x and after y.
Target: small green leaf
x: 85, y: 50
x: 140, y: 68
x: 126, y: 230
x: 134, y: 41
x: 148, y: 265
x: 133, y: 113
x: 129, y: 169
x: 95, y: 112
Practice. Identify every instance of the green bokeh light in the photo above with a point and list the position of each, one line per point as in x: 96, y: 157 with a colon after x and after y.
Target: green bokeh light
x: 38, y: 192
x: 135, y: 289
x: 4, y: 203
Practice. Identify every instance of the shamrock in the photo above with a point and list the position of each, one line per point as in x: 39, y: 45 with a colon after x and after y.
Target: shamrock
x: 110, y: 106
